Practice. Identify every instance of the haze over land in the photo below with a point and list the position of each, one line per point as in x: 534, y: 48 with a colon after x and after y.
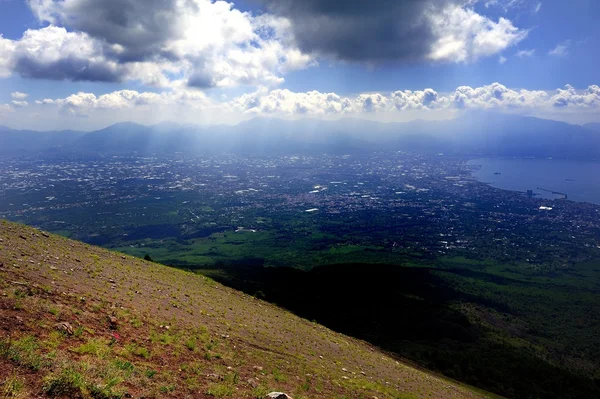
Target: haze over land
x: 475, y: 133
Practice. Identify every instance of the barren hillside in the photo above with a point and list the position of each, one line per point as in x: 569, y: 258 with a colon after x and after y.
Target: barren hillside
x: 80, y: 321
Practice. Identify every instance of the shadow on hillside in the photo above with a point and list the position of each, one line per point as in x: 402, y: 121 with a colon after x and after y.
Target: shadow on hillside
x: 413, y: 313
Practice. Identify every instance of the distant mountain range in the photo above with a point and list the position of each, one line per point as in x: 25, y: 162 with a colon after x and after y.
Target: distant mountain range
x: 477, y: 133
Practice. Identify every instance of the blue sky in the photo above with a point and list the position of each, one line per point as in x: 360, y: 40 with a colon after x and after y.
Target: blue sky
x: 89, y: 63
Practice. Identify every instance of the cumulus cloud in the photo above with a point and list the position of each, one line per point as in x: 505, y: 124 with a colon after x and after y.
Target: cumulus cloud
x: 195, y: 107
x: 7, y: 48
x: 489, y: 97
x: 283, y: 101
x: 203, y: 43
x: 137, y: 29
x: 210, y: 43
x: 17, y: 95
x: 569, y: 97
x: 82, y: 103
x: 561, y: 49
x: 397, y: 30
x: 497, y: 95
x: 55, y: 53
x: 463, y: 35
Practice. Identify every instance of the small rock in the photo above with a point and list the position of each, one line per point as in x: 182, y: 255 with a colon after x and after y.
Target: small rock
x: 64, y: 326
x: 23, y: 237
x: 278, y: 395
x: 252, y: 382
x: 46, y: 235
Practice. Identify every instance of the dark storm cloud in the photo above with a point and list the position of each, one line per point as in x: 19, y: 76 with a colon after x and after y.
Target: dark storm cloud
x: 140, y: 27
x: 70, y: 68
x: 361, y: 30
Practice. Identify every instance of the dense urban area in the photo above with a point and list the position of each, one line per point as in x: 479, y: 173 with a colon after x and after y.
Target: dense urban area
x: 384, y: 206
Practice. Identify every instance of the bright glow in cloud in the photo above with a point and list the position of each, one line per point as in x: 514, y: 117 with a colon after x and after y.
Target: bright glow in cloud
x: 196, y: 42
x: 465, y: 36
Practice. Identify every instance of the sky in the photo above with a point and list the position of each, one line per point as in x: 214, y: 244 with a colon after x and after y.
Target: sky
x: 85, y: 64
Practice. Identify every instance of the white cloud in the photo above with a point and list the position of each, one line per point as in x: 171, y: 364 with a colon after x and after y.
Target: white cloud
x: 497, y: 95
x: 561, y: 49
x: 203, y: 43
x: 465, y: 36
x: 55, y: 53
x: 83, y: 103
x: 20, y: 104
x: 7, y: 48
x: 287, y: 102
x: 504, y: 4
x: 209, y: 43
x: 17, y: 95
x: 525, y: 53
x: 569, y: 97
x: 538, y: 7
x: 193, y: 106
x: 502, y: 59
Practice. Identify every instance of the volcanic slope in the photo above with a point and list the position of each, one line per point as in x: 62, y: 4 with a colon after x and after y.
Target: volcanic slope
x: 77, y: 321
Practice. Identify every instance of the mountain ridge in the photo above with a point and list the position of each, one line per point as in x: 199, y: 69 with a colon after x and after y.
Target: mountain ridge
x: 474, y: 133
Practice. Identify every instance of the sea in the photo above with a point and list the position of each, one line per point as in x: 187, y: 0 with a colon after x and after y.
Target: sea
x: 547, y: 178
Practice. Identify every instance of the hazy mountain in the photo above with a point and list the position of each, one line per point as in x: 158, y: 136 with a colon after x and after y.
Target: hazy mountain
x: 14, y: 142
x: 473, y: 133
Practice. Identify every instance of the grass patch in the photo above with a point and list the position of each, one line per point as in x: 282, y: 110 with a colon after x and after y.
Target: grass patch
x: 96, y: 347
x: 220, y: 390
x: 12, y: 387
x: 190, y: 343
x: 137, y: 350
x: 23, y: 352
